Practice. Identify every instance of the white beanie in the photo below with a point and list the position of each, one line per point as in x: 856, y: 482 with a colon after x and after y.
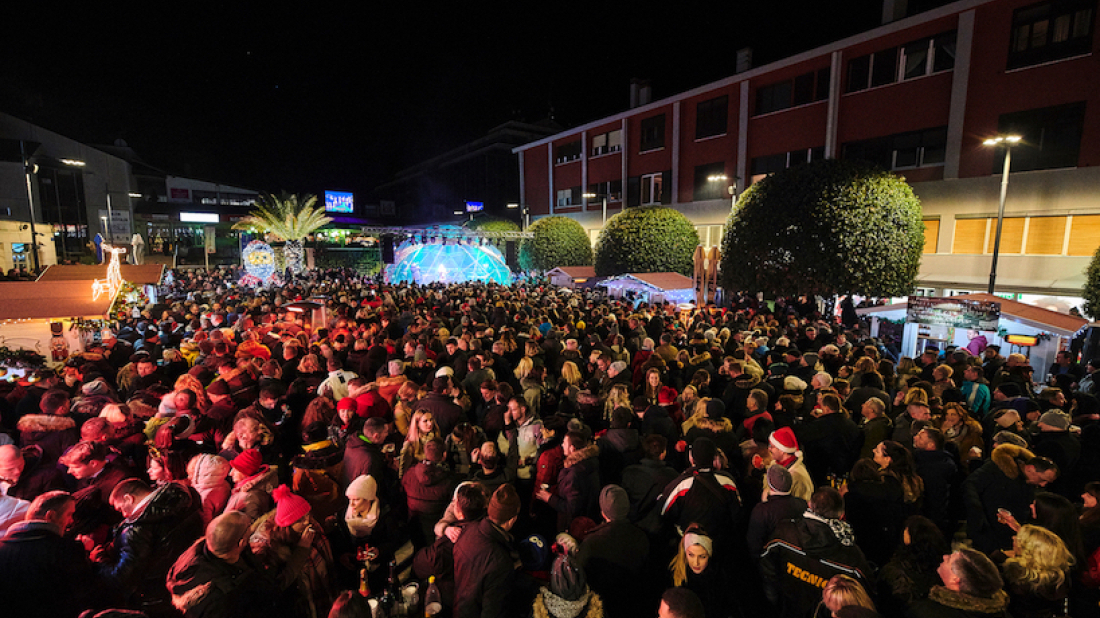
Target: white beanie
x: 363, y: 487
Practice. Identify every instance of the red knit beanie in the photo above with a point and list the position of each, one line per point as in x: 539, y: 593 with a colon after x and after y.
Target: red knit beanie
x: 248, y: 463
x: 289, y: 507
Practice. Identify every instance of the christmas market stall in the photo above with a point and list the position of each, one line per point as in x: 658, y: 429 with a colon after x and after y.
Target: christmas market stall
x: 574, y: 277
x: 1035, y: 332
x: 54, y: 319
x: 145, y: 277
x: 651, y: 287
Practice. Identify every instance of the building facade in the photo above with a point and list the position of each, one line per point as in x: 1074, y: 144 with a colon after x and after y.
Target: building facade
x: 917, y: 96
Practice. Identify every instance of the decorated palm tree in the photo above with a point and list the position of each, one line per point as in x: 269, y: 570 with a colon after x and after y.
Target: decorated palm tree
x: 287, y: 218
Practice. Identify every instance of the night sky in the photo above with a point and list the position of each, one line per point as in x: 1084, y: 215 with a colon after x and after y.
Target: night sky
x: 305, y: 99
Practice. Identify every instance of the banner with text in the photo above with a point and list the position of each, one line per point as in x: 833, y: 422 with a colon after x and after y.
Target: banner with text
x: 960, y: 313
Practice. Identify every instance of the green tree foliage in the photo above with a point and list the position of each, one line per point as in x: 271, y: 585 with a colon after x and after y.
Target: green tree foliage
x: 288, y: 218
x: 1091, y: 291
x: 650, y: 239
x: 828, y: 227
x: 558, y: 241
x: 490, y: 223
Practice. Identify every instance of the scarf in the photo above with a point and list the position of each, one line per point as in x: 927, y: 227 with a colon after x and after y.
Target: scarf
x: 361, y: 526
x: 842, y: 530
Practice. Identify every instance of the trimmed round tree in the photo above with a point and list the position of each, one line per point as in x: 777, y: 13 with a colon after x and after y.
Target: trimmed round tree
x: 651, y: 239
x: 558, y: 241
x: 827, y: 227
x: 1091, y: 291
x: 489, y: 223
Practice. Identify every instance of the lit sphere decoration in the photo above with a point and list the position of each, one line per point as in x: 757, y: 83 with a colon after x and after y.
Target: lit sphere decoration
x: 259, y: 260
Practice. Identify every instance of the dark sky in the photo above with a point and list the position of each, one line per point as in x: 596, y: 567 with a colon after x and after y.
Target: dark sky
x: 305, y: 99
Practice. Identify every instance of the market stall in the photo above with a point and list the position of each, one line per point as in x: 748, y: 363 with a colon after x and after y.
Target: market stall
x: 651, y: 287
x: 574, y: 277
x: 52, y: 318
x: 145, y: 276
x: 1016, y: 327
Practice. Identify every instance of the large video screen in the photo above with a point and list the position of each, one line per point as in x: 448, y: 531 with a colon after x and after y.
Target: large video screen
x: 339, y: 201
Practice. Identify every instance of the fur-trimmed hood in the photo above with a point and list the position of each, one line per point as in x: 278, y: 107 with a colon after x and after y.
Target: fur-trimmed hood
x: 588, y: 452
x: 710, y: 424
x: 699, y: 359
x: 967, y: 603
x: 1005, y: 457
x: 265, y: 481
x: 45, y: 423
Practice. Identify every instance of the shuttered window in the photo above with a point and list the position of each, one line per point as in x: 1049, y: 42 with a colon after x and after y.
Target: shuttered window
x: 969, y: 236
x: 1012, y: 235
x: 1045, y: 235
x: 931, y: 235
x: 1084, y: 234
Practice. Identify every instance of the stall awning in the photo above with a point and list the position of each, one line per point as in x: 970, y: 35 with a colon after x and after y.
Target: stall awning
x: 145, y: 274
x: 47, y: 300
x: 1061, y: 324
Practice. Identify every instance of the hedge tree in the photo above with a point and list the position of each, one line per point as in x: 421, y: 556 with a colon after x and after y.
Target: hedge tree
x: 827, y: 227
x: 1091, y: 291
x: 489, y: 223
x: 650, y: 239
x: 558, y: 241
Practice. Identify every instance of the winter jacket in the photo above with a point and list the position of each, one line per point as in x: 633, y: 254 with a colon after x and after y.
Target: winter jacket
x: 578, y: 490
x: 998, y: 484
x: 706, y: 497
x: 767, y: 515
x: 801, y: 485
x: 38, y: 476
x: 54, y: 434
x: 43, y: 575
x: 208, y: 477
x: 718, y: 430
x: 800, y: 559
x: 483, y: 572
x: 944, y: 603
x: 362, y: 456
x: 203, y: 585
x: 428, y: 491
x: 148, y: 542
x: 619, y: 448
x: 831, y: 444
x: 940, y: 474
x: 613, y: 556
x: 644, y: 482
x: 316, y: 477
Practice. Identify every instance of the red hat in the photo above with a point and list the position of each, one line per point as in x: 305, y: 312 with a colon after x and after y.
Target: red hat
x: 248, y: 463
x: 348, y: 403
x: 784, y: 440
x: 666, y: 396
x: 289, y: 507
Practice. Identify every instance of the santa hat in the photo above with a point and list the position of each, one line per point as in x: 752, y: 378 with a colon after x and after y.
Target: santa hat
x: 784, y: 440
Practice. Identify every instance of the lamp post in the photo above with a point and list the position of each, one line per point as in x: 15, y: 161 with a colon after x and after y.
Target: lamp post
x: 1008, y: 141
x: 525, y: 214
x: 28, y: 169
x: 731, y: 188
x: 589, y: 196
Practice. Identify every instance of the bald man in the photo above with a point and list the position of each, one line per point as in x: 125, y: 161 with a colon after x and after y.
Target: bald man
x: 23, y: 474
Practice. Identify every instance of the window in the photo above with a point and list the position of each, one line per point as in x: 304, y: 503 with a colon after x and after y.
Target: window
x: 917, y: 59
x: 710, y: 117
x: 569, y: 197
x: 564, y: 153
x: 902, y: 151
x: 652, y: 188
x: 806, y: 88
x: 1038, y: 235
x: 653, y: 133
x: 761, y: 167
x: 1050, y: 31
x: 1052, y: 137
x: 931, y: 235
x: 609, y: 142
x: 613, y: 190
x: 711, y: 182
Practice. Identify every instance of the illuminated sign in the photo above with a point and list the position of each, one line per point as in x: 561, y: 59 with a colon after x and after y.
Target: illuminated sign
x: 339, y: 201
x: 198, y: 217
x: 475, y: 206
x: 1022, y: 340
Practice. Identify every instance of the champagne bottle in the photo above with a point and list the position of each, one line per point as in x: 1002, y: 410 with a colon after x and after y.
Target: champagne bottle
x: 433, y: 602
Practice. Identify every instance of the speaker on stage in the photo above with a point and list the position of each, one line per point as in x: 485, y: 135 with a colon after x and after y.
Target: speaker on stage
x: 510, y: 254
x: 387, y: 250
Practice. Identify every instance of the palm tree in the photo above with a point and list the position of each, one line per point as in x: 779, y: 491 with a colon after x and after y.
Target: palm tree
x: 287, y: 218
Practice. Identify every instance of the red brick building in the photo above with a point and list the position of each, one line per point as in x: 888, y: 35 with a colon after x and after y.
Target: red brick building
x: 918, y: 96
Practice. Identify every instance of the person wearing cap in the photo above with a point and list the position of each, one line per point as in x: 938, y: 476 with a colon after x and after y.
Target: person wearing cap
x: 613, y: 554
x: 805, y: 552
x: 705, y: 495
x: 568, y: 595
x: 783, y: 448
x: 158, y: 525
x: 253, y: 482
x: 290, y: 542
x: 1056, y: 442
x: 484, y: 571
x: 778, y: 505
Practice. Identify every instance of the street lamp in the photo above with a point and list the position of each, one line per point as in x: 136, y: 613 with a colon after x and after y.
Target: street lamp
x: 731, y: 188
x: 1008, y: 141
x: 589, y: 196
x: 525, y: 213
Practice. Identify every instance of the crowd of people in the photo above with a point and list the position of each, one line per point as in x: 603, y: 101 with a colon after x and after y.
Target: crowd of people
x: 536, y: 451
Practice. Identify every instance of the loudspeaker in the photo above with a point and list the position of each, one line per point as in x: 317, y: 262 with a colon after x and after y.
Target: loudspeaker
x: 510, y: 254
x: 387, y: 250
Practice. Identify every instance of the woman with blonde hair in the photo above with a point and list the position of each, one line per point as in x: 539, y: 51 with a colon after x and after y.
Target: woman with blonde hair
x: 964, y: 431
x: 693, y: 568
x: 188, y: 381
x: 407, y: 396
x: 422, y: 428
x: 1037, y: 575
x: 617, y: 397
x: 844, y: 591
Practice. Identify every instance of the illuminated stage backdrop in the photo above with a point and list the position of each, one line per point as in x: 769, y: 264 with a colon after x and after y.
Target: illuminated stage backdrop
x: 447, y: 263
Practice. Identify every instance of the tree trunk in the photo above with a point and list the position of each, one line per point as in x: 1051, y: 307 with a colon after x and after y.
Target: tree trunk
x: 294, y: 256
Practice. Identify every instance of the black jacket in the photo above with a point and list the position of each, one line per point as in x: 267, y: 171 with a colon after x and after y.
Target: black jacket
x: 483, y: 572
x: 767, y: 515
x: 578, y: 490
x: 644, y: 483
x: 148, y: 542
x: 43, y: 574
x: 205, y: 586
x: 38, y: 476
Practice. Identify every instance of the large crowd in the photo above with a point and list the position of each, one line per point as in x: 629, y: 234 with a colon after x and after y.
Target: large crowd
x: 481, y: 451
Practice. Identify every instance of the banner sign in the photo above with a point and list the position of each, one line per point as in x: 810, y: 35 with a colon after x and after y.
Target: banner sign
x: 960, y: 313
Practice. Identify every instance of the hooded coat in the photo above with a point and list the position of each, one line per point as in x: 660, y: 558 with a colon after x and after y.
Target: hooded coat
x: 208, y: 477
x: 998, y: 484
x: 578, y: 491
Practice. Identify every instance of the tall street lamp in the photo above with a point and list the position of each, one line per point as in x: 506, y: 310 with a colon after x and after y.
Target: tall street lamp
x: 1008, y: 141
x: 525, y: 214
x: 731, y: 188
